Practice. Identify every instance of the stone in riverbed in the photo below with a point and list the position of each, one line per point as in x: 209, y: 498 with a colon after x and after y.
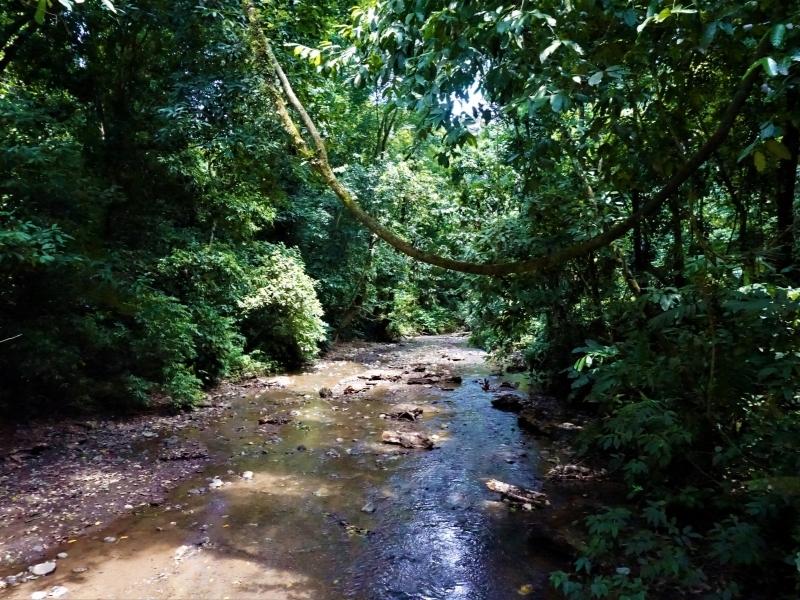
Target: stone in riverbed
x: 277, y: 419
x: 62, y: 555
x: 58, y: 591
x: 247, y: 475
x: 405, y: 412
x: 407, y: 439
x: 509, y: 401
x: 369, y: 507
x: 42, y: 569
x: 109, y: 539
x: 422, y: 380
x: 38, y: 595
x: 325, y: 392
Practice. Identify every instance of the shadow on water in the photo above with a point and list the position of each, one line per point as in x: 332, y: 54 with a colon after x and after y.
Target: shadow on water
x: 330, y: 512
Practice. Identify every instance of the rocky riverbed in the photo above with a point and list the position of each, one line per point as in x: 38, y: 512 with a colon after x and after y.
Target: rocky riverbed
x: 380, y: 473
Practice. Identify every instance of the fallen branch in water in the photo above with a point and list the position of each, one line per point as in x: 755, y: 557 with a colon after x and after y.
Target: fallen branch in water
x: 518, y: 494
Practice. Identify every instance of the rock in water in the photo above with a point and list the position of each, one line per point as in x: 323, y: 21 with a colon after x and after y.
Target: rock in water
x: 421, y: 380
x: 518, y: 495
x: 38, y: 595
x: 44, y: 568
x: 247, y: 475
x: 110, y: 539
x: 405, y: 412
x: 407, y: 439
x: 58, y: 591
x: 509, y: 401
x: 325, y: 392
x: 277, y: 419
x: 369, y: 507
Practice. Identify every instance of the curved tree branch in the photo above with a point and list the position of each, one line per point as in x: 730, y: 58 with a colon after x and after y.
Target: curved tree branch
x: 319, y: 160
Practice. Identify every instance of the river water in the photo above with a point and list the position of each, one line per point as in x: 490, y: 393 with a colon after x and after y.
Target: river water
x: 331, y: 512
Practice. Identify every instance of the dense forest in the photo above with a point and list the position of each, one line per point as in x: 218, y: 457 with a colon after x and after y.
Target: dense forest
x: 602, y: 192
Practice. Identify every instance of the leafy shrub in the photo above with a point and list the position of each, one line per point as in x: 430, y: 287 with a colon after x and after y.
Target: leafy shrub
x: 700, y: 405
x: 282, y: 316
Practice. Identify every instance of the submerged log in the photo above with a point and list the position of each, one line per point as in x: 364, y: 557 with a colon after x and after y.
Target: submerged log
x: 518, y: 494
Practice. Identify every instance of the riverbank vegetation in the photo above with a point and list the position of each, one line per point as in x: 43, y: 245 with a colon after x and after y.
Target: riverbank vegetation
x: 611, y: 186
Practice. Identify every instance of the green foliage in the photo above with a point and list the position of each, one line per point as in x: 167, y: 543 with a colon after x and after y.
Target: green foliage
x: 156, y: 235
x: 139, y: 183
x: 282, y: 315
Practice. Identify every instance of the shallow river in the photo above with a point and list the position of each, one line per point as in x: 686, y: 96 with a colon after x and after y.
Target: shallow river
x: 331, y: 512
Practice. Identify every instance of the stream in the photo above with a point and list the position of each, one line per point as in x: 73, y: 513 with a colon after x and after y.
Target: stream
x: 331, y: 512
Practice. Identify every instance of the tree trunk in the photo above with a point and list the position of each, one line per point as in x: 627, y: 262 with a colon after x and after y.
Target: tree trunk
x: 677, y: 242
x: 787, y: 178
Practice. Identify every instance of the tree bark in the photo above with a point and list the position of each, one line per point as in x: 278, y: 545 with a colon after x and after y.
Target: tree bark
x: 787, y: 179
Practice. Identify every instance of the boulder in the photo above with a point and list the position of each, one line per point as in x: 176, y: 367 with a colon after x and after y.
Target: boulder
x: 407, y: 439
x: 405, y: 412
x: 421, y: 380
x: 509, y: 401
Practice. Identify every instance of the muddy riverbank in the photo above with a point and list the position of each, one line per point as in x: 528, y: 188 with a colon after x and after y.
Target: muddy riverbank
x: 278, y: 491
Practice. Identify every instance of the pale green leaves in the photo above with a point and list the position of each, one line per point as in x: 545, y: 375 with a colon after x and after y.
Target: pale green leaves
x: 777, y: 35
x: 766, y: 147
x: 555, y: 45
x: 614, y: 72
x: 596, y: 78
x: 558, y: 102
x: 545, y: 54
x: 312, y: 55
x: 41, y: 10
x: 664, y: 15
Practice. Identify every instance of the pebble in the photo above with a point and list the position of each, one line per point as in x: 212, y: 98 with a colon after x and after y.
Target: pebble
x: 44, y: 568
x: 38, y: 595
x: 62, y: 555
x: 369, y: 507
x: 58, y: 591
x: 110, y: 539
x: 128, y: 507
x: 215, y: 483
x: 79, y: 570
x: 247, y: 475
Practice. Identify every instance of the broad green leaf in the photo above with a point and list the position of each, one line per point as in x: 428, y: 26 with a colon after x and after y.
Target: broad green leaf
x: 545, y: 54
x: 41, y: 10
x: 760, y: 161
x: 777, y: 34
x: 770, y: 66
x: 777, y: 149
x: 709, y: 34
x: 557, y: 102
x: 663, y: 15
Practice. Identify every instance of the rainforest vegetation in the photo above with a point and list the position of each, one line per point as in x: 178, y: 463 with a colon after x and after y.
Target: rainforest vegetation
x: 604, y: 191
